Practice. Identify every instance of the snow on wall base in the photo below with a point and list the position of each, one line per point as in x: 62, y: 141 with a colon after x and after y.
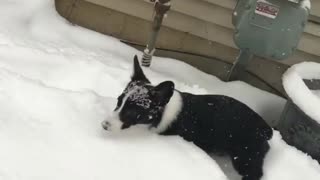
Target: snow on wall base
x: 299, y: 92
x: 299, y: 123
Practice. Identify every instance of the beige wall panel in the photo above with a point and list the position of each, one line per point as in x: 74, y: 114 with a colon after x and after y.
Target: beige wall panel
x: 123, y: 26
x: 209, y: 42
x: 315, y: 8
x: 205, y: 11
x: 230, y: 4
x: 174, y: 20
x: 299, y: 56
x: 204, y: 19
x: 105, y: 24
x: 310, y: 44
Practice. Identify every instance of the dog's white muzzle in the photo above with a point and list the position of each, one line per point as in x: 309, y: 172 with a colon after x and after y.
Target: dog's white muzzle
x: 112, y: 123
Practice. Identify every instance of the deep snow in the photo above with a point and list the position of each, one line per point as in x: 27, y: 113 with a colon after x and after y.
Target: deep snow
x: 297, y: 90
x: 59, y: 81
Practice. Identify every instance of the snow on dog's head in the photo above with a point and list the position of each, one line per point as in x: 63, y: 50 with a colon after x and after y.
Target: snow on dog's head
x: 140, y: 103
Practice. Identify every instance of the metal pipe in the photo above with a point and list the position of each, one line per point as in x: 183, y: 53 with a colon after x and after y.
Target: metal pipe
x: 239, y: 66
x: 161, y: 8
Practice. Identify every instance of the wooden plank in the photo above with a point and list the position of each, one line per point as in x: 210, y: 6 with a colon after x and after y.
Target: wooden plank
x: 215, y: 27
x: 175, y: 20
x: 310, y: 44
x: 132, y: 28
x: 315, y: 8
x: 206, y: 10
x: 313, y: 29
x: 218, y: 15
x: 230, y: 4
x: 211, y: 11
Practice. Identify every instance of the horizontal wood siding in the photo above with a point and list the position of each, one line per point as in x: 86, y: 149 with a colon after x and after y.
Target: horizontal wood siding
x: 198, y: 32
x: 211, y: 20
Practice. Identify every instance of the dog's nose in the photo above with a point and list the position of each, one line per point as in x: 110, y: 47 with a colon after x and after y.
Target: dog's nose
x: 105, y: 125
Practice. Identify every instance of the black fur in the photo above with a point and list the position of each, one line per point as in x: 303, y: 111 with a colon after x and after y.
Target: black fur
x: 219, y: 123
x: 215, y: 123
x: 138, y: 74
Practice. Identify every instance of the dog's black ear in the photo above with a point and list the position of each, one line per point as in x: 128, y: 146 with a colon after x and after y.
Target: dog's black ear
x: 138, y: 74
x: 163, y: 92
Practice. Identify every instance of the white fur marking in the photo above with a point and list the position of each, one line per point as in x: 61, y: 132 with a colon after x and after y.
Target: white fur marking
x: 170, y: 113
x: 124, y: 100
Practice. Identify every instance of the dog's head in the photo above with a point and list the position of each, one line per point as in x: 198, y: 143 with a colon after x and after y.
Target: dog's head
x: 140, y: 103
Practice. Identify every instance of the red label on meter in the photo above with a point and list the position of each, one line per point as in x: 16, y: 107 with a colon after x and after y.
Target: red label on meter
x: 266, y: 9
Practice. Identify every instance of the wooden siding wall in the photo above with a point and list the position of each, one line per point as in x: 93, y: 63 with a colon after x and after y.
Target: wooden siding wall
x: 198, y: 32
x: 211, y: 20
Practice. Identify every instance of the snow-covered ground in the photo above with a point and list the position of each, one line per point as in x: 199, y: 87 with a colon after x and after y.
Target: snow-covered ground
x: 297, y: 90
x: 59, y: 81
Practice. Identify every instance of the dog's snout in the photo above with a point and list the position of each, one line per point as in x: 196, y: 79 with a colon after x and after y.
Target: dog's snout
x: 112, y: 123
x: 106, y: 125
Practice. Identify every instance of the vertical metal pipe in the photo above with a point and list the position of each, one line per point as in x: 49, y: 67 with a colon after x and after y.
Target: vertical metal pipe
x: 239, y: 66
x: 161, y: 7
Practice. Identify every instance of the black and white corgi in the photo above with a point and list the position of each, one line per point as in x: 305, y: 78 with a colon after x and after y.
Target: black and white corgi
x: 215, y: 123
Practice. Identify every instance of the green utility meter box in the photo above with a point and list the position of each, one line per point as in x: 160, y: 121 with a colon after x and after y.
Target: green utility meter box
x: 269, y: 28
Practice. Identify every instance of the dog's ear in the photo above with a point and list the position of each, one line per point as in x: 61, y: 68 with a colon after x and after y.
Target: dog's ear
x: 138, y: 74
x: 163, y: 92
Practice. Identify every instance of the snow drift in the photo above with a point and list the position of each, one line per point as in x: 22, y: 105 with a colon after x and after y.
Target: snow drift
x: 59, y: 81
x: 307, y: 100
